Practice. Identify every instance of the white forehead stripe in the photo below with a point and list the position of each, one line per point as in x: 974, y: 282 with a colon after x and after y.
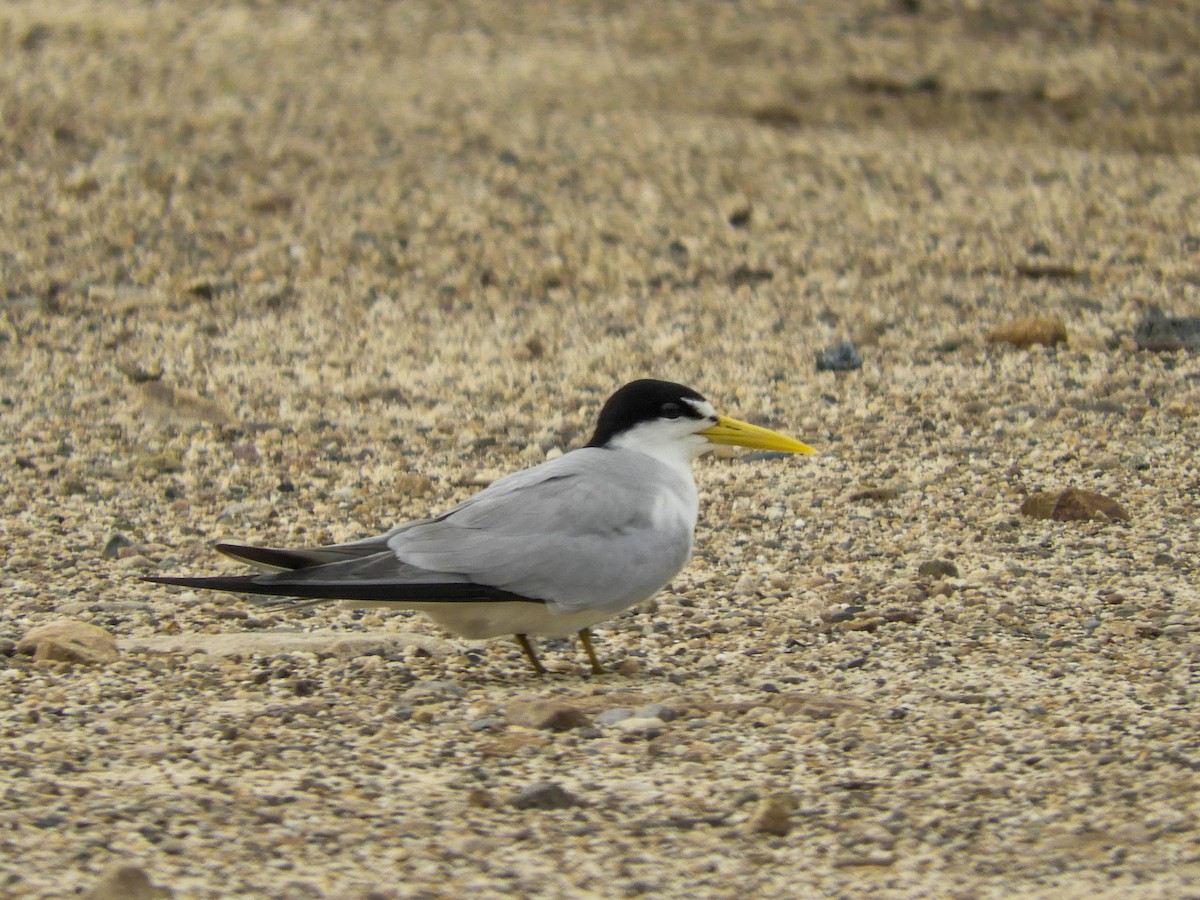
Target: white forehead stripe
x: 703, y: 407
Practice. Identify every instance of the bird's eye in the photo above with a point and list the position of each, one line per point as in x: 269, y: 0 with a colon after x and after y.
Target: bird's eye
x: 671, y: 411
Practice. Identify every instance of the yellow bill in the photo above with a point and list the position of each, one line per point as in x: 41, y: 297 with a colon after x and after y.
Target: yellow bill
x: 743, y: 434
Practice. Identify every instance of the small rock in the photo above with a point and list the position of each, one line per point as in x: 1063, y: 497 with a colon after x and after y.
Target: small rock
x: 7, y: 647
x: 640, y: 725
x: 740, y: 217
x: 938, y: 568
x: 613, y: 716
x: 843, y: 357
x: 68, y: 640
x: 124, y: 881
x: 1074, y: 505
x: 874, y: 494
x: 488, y: 723
x: 550, y: 715
x: 1029, y: 332
x: 846, y: 613
x: 545, y: 795
x: 867, y: 623
x: 1162, y: 334
x: 163, y: 463
x: 744, y: 274
x: 114, y: 545
x: 773, y: 815
x: 534, y: 347
x: 657, y: 711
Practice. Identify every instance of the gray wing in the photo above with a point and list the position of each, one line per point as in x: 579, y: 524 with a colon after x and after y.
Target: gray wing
x: 595, y: 529
x: 376, y: 576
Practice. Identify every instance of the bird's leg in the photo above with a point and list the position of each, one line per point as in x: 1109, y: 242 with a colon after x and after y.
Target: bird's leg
x: 532, y: 657
x: 585, y: 638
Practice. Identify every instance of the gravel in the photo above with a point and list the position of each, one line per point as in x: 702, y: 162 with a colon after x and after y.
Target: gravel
x: 293, y: 274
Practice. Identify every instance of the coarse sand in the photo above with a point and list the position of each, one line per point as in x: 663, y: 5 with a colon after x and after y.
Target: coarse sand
x: 293, y: 273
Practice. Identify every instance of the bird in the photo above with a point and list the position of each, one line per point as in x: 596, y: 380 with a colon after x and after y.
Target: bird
x: 550, y: 550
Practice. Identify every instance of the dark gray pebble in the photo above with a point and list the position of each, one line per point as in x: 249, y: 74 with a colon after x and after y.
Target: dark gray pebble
x: 1166, y: 333
x: 843, y: 357
x: 545, y: 795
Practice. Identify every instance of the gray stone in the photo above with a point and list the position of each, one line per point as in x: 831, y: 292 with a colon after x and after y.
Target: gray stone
x: 545, y: 795
x: 843, y: 357
x: 657, y: 711
x: 938, y: 568
x: 644, y: 725
x: 551, y: 715
x: 1161, y: 333
x: 114, y: 545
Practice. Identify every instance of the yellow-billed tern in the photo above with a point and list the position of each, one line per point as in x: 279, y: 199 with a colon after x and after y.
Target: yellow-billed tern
x: 549, y: 550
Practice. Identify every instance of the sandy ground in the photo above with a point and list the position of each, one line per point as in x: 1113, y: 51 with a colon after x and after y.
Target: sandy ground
x: 294, y: 273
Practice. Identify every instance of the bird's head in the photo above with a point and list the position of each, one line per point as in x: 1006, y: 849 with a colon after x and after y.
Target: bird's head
x: 668, y: 420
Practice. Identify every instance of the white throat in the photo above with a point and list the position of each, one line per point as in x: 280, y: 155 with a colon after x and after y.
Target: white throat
x: 671, y: 443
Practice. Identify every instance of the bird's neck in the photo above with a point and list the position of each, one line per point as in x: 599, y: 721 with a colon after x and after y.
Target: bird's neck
x: 676, y: 454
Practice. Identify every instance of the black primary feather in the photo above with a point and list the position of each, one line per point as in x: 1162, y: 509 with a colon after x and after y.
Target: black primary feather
x: 315, y: 589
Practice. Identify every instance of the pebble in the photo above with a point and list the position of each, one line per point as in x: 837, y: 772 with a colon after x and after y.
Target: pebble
x: 545, y: 795
x: 1029, y: 332
x: 549, y: 715
x: 772, y: 815
x: 937, y: 568
x: 1161, y: 333
x: 1074, y: 504
x: 70, y: 641
x: 114, y: 545
x: 659, y: 711
x: 488, y: 723
x: 874, y: 494
x: 639, y: 725
x: 841, y: 357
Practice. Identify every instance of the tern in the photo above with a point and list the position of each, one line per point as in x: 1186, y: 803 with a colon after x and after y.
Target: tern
x: 550, y: 550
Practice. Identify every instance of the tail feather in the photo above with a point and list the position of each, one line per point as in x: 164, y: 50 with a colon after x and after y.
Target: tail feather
x: 276, y: 559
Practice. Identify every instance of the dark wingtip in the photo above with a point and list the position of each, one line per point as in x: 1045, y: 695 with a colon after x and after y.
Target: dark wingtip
x: 211, y: 583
